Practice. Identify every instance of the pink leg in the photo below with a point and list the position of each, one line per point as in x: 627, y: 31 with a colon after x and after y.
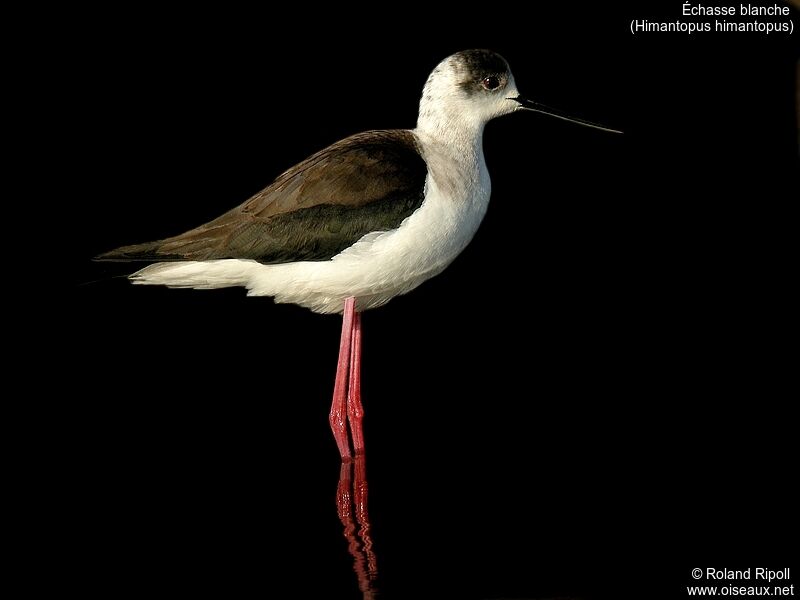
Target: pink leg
x: 355, y: 411
x: 344, y: 499
x: 338, y: 414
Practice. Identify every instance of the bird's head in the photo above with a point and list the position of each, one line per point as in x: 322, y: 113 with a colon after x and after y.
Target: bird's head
x: 472, y: 87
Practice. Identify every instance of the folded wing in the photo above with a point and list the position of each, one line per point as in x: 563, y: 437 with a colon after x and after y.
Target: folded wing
x: 367, y: 182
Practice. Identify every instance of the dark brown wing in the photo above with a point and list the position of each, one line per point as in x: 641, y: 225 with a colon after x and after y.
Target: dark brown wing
x: 368, y: 182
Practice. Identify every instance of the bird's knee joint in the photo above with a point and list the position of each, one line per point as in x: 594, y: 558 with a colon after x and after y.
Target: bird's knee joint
x: 338, y: 421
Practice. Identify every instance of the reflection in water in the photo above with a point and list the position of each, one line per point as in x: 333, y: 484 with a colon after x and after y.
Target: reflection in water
x: 352, y: 494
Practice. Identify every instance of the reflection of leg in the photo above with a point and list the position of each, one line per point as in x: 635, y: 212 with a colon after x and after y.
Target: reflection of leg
x: 338, y: 414
x: 355, y: 411
x: 359, y: 546
x: 360, y: 492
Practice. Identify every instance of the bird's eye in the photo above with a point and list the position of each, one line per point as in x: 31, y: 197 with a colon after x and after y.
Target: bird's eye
x: 490, y: 83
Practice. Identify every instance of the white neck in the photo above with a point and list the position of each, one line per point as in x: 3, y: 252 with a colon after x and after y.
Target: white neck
x: 453, y: 149
x: 451, y: 130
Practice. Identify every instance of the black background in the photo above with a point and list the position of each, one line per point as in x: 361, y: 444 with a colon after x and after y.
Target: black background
x: 591, y: 401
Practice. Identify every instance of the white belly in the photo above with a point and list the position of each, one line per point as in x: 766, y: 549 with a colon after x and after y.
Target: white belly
x: 381, y: 265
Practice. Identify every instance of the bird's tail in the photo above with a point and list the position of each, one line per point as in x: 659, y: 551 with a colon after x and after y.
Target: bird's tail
x: 202, y: 275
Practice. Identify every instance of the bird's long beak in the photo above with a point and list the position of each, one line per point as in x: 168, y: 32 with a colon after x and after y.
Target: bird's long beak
x: 546, y: 110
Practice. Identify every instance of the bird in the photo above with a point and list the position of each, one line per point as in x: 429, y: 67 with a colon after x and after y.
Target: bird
x: 360, y: 222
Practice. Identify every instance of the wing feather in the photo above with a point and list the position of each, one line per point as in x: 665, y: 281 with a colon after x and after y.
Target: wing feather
x: 367, y: 182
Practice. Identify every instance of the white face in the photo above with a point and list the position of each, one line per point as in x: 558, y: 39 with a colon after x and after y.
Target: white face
x: 475, y: 85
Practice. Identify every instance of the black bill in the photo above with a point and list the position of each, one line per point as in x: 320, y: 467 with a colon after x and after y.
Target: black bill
x: 546, y: 110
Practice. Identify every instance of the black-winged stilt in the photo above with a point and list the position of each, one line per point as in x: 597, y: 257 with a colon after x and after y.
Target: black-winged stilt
x: 358, y: 223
